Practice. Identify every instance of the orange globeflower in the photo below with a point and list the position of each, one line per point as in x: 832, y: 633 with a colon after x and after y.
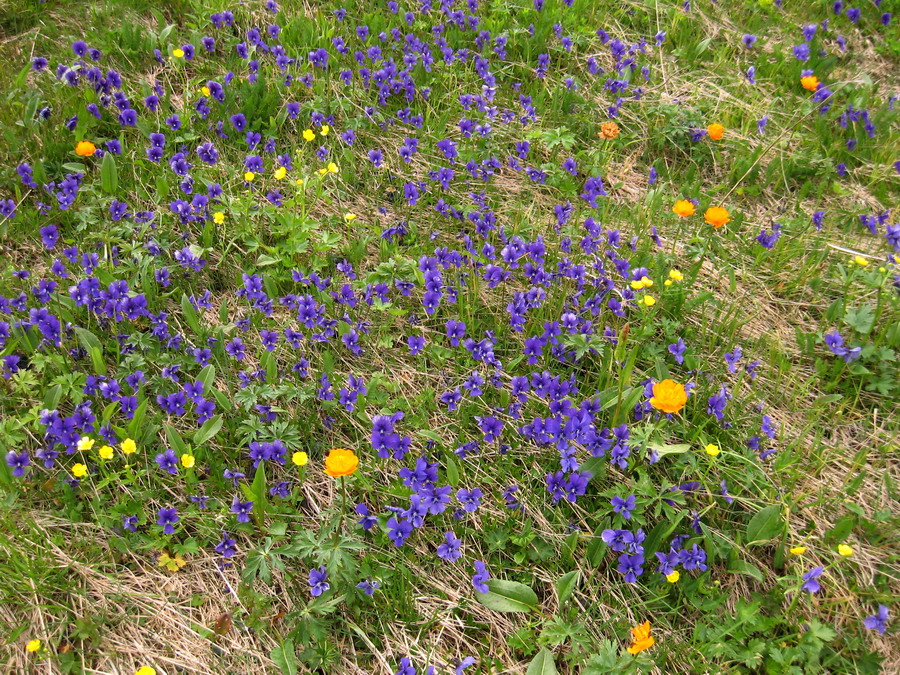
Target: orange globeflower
x: 717, y: 216
x: 668, y: 396
x: 715, y: 131
x: 85, y: 148
x: 609, y: 130
x: 810, y: 82
x: 341, y: 462
x: 641, y: 638
x: 684, y: 208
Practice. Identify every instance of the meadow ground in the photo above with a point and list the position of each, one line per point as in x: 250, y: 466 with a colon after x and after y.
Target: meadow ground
x: 602, y: 301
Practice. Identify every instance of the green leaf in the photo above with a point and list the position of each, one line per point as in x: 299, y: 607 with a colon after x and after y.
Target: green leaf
x: 765, y: 525
x: 508, y: 596
x: 566, y: 584
x: 176, y: 441
x: 209, y: 429
x: 285, y: 658
x: 138, y: 420
x: 452, y: 470
x: 596, y: 466
x: 109, y: 176
x: 860, y: 320
x: 666, y: 449
x: 739, y: 566
x: 93, y: 347
x: 190, y: 314
x: 207, y: 376
x: 542, y: 664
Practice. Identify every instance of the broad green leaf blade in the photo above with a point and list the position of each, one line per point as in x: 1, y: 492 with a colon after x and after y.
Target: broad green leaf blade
x: 542, y: 664
x: 566, y: 584
x: 209, y: 429
x: 285, y: 658
x: 765, y: 525
x: 190, y: 314
x: 508, y: 596
x: 109, y: 175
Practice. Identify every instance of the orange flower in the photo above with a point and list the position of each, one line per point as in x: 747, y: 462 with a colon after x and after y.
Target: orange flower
x: 609, y: 130
x: 717, y: 216
x: 668, y: 396
x: 341, y: 462
x: 641, y: 638
x: 683, y: 208
x: 810, y: 82
x: 85, y: 148
x: 715, y: 131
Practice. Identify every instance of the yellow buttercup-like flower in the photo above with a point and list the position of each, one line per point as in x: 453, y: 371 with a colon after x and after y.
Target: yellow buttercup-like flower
x: 300, y: 458
x: 712, y: 449
x: 145, y: 670
x: 105, y: 452
x: 128, y: 446
x: 324, y: 130
x: 673, y: 577
x: 845, y: 550
x: 218, y: 217
x: 178, y: 53
x: 332, y: 167
x: 797, y: 550
x: 85, y: 444
x: 859, y: 260
x: 648, y: 300
x: 33, y: 646
x: 187, y: 461
x: 280, y: 173
x: 79, y: 470
x: 675, y: 275
x: 349, y: 217
x: 341, y: 462
x: 205, y: 91
x: 249, y: 176
x: 309, y: 135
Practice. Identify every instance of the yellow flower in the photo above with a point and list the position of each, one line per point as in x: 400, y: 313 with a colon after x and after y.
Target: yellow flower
x: 810, y: 82
x: 647, y: 281
x: 324, y: 130
x: 106, y: 452
x: 79, y: 470
x: 845, y: 550
x: 204, y: 91
x: 332, y: 167
x: 85, y: 444
x: 717, y: 216
x: 322, y: 171
x: 349, y: 217
x: 249, y: 176
x: 637, y: 284
x: 309, y: 135
x: 648, y: 300
x: 684, y: 208
x: 673, y: 577
x: 797, y: 550
x: 715, y: 131
x: 667, y: 282
x: 128, y: 446
x: 859, y: 260
x: 33, y: 646
x: 218, y: 217
x: 145, y: 670
x: 641, y: 638
x: 300, y: 458
x: 341, y: 462
x: 675, y: 275
x: 280, y: 173
x: 187, y: 461
x: 712, y: 449
x: 669, y: 396
x: 299, y: 182
x: 178, y: 53
x: 85, y: 148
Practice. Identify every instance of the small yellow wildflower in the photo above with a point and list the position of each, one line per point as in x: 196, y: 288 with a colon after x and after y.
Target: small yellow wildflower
x: 128, y: 446
x: 637, y: 284
x: 218, y: 217
x: 712, y: 449
x: 106, y: 452
x: 280, y: 173
x: 249, y: 176
x: 145, y: 670
x: 299, y: 182
x: 797, y: 550
x: 178, y: 53
x: 205, y: 91
x: 79, y: 470
x: 309, y: 135
x: 675, y: 275
x: 349, y: 217
x: 859, y: 260
x: 332, y: 167
x: 187, y: 461
x: 648, y: 300
x: 845, y: 550
x: 324, y: 130
x: 300, y: 458
x: 673, y: 577
x: 33, y: 646
x: 647, y: 282
x: 85, y: 444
